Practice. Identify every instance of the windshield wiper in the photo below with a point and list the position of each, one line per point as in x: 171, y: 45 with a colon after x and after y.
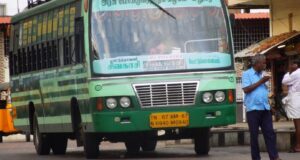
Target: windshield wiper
x: 162, y: 9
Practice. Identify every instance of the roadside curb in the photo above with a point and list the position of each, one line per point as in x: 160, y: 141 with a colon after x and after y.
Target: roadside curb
x: 16, y: 138
x: 285, y: 138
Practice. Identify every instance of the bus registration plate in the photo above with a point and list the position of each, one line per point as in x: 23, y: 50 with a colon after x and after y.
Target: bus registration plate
x: 169, y: 119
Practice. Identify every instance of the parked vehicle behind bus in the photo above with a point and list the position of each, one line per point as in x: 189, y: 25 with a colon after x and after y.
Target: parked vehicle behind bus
x: 120, y: 71
x: 7, y: 112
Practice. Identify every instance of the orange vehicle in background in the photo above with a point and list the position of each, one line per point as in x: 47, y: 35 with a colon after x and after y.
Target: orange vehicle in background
x: 7, y: 112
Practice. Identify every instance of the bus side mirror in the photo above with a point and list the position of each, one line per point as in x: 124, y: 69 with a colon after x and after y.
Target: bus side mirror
x: 79, y: 39
x: 232, y: 19
x: 3, y: 104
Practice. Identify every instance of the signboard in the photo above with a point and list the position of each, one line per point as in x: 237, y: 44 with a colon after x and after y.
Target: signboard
x: 146, y: 63
x: 117, y: 5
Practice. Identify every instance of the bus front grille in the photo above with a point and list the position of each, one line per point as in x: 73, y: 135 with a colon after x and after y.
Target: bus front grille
x: 166, y: 94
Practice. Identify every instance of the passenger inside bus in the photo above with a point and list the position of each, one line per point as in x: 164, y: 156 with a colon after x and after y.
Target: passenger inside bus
x: 131, y: 32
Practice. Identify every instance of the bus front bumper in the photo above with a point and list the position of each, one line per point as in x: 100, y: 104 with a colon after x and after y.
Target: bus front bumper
x: 131, y: 121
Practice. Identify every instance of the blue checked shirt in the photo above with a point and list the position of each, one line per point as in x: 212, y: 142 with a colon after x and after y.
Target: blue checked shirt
x: 258, y: 98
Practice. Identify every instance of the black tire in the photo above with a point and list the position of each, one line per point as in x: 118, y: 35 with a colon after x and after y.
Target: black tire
x: 76, y: 122
x: 149, y: 145
x: 201, y: 140
x: 91, y: 145
x: 59, y: 144
x: 40, y: 140
x: 149, y: 142
x: 132, y: 147
x: 27, y: 134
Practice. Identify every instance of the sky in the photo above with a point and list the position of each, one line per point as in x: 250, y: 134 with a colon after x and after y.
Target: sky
x: 12, y: 7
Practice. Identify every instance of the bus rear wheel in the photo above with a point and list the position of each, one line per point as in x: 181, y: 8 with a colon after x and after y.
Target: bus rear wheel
x: 1, y: 138
x: 40, y: 140
x: 91, y: 145
x: 201, y: 140
x: 59, y: 144
x: 27, y: 136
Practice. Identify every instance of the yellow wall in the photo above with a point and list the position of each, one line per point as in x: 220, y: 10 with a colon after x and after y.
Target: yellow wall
x: 280, y: 10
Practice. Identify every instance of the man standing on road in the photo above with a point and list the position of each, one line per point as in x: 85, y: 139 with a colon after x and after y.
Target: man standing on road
x: 258, y: 108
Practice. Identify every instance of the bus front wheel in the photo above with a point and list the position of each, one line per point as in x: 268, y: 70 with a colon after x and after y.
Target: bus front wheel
x: 149, y: 141
x: 41, y: 141
x: 132, y: 147
x: 27, y: 136
x: 91, y: 145
x: 201, y: 140
x: 149, y: 145
x: 1, y: 138
x: 59, y: 144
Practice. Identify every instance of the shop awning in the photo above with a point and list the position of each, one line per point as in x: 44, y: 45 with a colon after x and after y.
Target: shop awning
x: 247, y: 16
x: 5, y: 20
x: 266, y: 45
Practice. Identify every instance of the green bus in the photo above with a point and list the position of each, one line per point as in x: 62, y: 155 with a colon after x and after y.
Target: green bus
x: 132, y: 71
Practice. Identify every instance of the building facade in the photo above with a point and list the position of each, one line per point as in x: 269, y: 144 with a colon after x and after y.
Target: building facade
x: 4, y: 44
x: 2, y: 9
x: 250, y: 28
x: 285, y: 16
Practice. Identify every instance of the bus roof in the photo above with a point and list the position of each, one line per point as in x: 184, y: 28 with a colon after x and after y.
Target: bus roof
x: 39, y: 9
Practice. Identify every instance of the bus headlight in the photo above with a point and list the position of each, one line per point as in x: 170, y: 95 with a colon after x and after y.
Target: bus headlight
x: 125, y: 102
x: 219, y: 96
x: 207, y: 97
x: 111, y: 103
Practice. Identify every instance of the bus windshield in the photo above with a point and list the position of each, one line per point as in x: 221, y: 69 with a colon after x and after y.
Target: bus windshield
x: 133, y: 36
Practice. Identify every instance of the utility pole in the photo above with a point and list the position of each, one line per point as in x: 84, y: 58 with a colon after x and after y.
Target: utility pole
x: 18, y: 6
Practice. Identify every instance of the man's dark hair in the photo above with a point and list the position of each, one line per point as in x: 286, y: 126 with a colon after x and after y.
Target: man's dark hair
x: 296, y: 61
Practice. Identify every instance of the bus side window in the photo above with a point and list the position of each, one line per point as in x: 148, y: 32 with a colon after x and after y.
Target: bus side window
x: 29, y: 62
x: 66, y: 51
x: 24, y: 60
x: 79, y: 36
x: 66, y: 36
x: 54, y: 53
x: 39, y: 57
x: 34, y: 58
x: 54, y: 41
x: 61, y: 52
x: 60, y: 36
x: 20, y: 62
x: 49, y: 55
x: 44, y: 56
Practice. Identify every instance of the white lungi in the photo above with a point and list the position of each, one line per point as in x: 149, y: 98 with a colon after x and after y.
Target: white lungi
x: 292, y: 105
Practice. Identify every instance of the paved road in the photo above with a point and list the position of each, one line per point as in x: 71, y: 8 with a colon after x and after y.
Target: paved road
x: 25, y: 151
